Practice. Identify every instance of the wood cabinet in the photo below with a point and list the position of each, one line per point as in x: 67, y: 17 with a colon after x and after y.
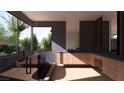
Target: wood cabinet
x: 111, y: 67
x: 110, y: 63
x: 110, y: 72
x: 120, y: 70
x: 73, y: 58
x: 107, y: 65
x: 58, y: 58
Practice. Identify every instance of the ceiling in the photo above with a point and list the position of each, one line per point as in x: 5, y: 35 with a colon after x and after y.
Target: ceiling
x: 65, y: 15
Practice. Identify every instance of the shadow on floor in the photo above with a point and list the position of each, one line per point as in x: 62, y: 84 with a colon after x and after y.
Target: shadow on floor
x: 59, y: 73
x: 5, y: 78
x: 34, y: 76
x: 41, y: 72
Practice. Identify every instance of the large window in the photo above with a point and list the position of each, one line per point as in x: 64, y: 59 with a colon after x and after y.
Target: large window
x: 25, y: 39
x: 42, y: 37
x: 7, y: 33
x: 9, y: 38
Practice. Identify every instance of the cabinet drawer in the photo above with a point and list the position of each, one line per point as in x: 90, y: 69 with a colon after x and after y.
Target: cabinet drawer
x: 110, y: 63
x: 120, y: 71
x: 98, y: 63
x: 110, y: 72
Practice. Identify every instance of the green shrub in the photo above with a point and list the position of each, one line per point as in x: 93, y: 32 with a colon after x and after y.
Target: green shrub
x: 26, y: 44
x: 7, y: 49
x: 46, y: 43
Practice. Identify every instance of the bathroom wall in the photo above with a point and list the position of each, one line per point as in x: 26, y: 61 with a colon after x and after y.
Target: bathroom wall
x: 72, y: 19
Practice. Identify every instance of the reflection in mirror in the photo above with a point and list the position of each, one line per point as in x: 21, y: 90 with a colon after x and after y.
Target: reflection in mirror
x: 114, y: 44
x: 113, y: 35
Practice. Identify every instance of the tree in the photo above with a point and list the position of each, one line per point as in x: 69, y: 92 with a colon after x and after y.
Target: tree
x: 35, y: 42
x: 3, y: 34
x: 16, y: 26
x: 2, y: 31
x: 12, y: 39
x: 46, y: 43
x: 26, y: 44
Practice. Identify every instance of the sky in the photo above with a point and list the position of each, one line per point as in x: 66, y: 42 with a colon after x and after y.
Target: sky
x: 4, y: 14
x: 40, y: 32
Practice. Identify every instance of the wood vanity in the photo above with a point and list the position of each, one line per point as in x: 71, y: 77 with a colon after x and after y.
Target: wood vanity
x: 111, y: 67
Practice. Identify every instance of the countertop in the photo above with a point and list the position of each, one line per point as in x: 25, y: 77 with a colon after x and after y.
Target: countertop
x: 109, y: 55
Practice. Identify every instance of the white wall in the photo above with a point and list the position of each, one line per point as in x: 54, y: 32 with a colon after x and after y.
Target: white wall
x: 72, y: 34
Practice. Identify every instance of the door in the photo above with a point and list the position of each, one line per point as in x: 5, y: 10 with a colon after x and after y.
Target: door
x: 98, y: 34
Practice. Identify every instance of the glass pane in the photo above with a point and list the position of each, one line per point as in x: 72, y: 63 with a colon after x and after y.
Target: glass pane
x: 7, y: 33
x: 43, y: 38
x: 25, y: 39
